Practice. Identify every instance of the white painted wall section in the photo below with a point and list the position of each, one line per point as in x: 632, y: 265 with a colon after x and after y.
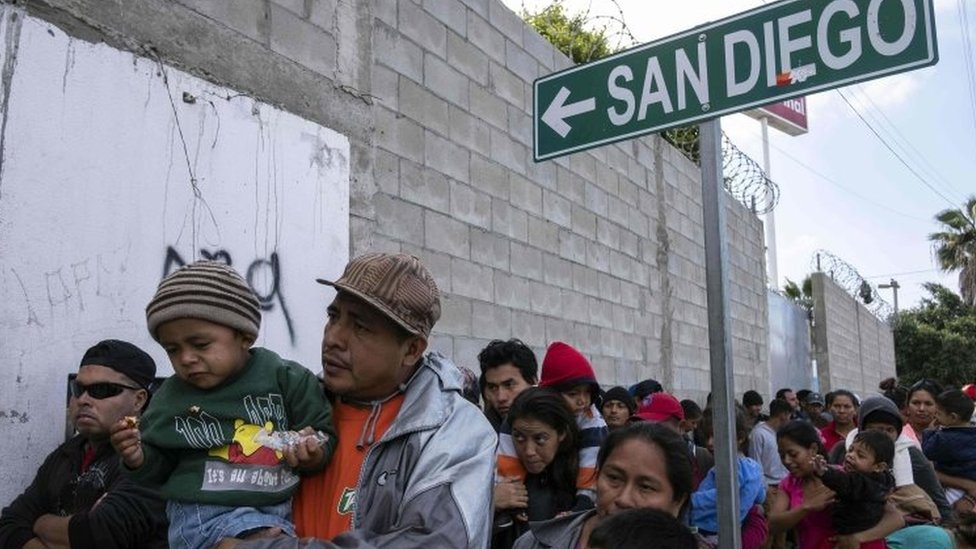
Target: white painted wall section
x: 117, y: 168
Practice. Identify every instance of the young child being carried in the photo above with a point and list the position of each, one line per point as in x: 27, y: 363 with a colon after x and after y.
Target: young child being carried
x: 952, y: 447
x: 862, y: 485
x: 567, y: 371
x: 221, y: 437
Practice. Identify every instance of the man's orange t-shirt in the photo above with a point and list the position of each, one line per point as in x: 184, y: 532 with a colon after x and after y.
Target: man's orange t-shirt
x: 324, y: 502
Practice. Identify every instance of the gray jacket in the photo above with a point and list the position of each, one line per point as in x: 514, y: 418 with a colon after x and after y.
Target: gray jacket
x: 428, y: 482
x: 558, y: 533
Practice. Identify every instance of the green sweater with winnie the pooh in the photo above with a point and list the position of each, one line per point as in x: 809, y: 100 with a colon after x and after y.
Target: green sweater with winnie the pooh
x: 199, y: 444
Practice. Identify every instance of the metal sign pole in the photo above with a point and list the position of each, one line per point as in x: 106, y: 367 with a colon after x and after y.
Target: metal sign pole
x: 719, y: 334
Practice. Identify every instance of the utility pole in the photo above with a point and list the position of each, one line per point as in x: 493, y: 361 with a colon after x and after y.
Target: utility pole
x: 772, y: 268
x: 894, y: 290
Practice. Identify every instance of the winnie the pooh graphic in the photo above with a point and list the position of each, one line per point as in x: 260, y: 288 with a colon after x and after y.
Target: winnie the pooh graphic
x: 245, y: 449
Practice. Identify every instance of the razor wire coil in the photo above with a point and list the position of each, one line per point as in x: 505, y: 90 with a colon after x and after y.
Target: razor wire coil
x: 743, y: 178
x: 853, y: 283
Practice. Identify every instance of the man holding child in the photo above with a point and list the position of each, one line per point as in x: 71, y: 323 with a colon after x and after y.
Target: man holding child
x: 415, y: 461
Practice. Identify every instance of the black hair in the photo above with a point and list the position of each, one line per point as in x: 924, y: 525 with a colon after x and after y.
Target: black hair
x: 646, y: 387
x: 742, y: 429
x: 924, y: 384
x: 963, y: 528
x: 779, y: 406
x: 546, y: 405
x: 802, y: 433
x: 672, y: 445
x: 751, y: 398
x: 887, y: 384
x: 633, y: 528
x: 829, y: 398
x: 801, y: 395
x: 848, y: 394
x: 956, y: 402
x: 691, y: 409
x: 498, y: 353
x: 897, y: 394
x: 704, y: 430
x: 782, y: 392
x: 880, y: 445
x: 470, y: 386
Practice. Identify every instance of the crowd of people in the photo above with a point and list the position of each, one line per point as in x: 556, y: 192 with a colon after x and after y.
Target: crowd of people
x: 395, y: 446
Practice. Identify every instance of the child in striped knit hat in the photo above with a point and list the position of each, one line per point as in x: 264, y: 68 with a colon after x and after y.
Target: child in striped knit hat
x: 224, y: 437
x: 569, y: 372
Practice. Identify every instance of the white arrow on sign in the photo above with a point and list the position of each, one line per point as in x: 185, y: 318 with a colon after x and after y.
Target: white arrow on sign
x: 558, y: 111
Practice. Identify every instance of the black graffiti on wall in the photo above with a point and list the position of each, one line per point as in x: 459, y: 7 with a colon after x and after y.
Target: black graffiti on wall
x: 269, y: 267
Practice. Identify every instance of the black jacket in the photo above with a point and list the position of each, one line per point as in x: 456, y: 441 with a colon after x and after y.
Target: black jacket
x: 923, y: 475
x: 861, y: 498
x: 545, y: 502
x: 128, y: 516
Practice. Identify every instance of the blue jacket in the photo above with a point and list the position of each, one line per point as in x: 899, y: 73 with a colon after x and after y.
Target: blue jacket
x: 952, y: 450
x: 704, y: 501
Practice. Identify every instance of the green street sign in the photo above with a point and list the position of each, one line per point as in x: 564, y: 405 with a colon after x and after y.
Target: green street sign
x: 771, y: 53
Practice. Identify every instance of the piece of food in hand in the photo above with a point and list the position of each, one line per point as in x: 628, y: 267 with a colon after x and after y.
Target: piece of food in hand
x: 279, y: 440
x: 131, y: 422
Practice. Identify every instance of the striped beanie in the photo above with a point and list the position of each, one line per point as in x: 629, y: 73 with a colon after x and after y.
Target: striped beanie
x: 206, y: 290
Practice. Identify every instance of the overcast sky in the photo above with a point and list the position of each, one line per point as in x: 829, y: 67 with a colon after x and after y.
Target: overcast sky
x: 842, y: 189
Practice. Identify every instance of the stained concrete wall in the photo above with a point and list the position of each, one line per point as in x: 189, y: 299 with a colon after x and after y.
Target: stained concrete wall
x: 854, y: 349
x: 600, y: 248
x: 117, y: 170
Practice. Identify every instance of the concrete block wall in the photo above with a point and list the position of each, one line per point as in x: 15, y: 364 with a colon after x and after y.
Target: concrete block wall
x: 749, y: 301
x: 854, y: 349
x: 601, y: 248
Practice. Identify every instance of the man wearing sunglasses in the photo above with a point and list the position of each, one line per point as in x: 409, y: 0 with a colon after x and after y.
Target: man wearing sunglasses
x: 80, y: 498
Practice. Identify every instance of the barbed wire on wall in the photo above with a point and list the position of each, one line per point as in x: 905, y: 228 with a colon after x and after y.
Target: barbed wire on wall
x: 853, y: 283
x: 744, y: 179
x: 614, y: 28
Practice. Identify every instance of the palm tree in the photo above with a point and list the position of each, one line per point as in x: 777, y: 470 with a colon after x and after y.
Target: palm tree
x: 801, y: 294
x: 955, y: 247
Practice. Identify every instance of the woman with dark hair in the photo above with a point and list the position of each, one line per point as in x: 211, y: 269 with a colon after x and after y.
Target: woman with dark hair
x: 547, y: 441
x: 920, y: 407
x: 803, y: 502
x: 843, y: 408
x: 644, y: 465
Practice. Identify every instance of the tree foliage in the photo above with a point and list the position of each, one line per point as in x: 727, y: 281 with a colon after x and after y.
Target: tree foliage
x: 955, y: 246
x: 801, y: 294
x: 569, y: 33
x: 937, y: 339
